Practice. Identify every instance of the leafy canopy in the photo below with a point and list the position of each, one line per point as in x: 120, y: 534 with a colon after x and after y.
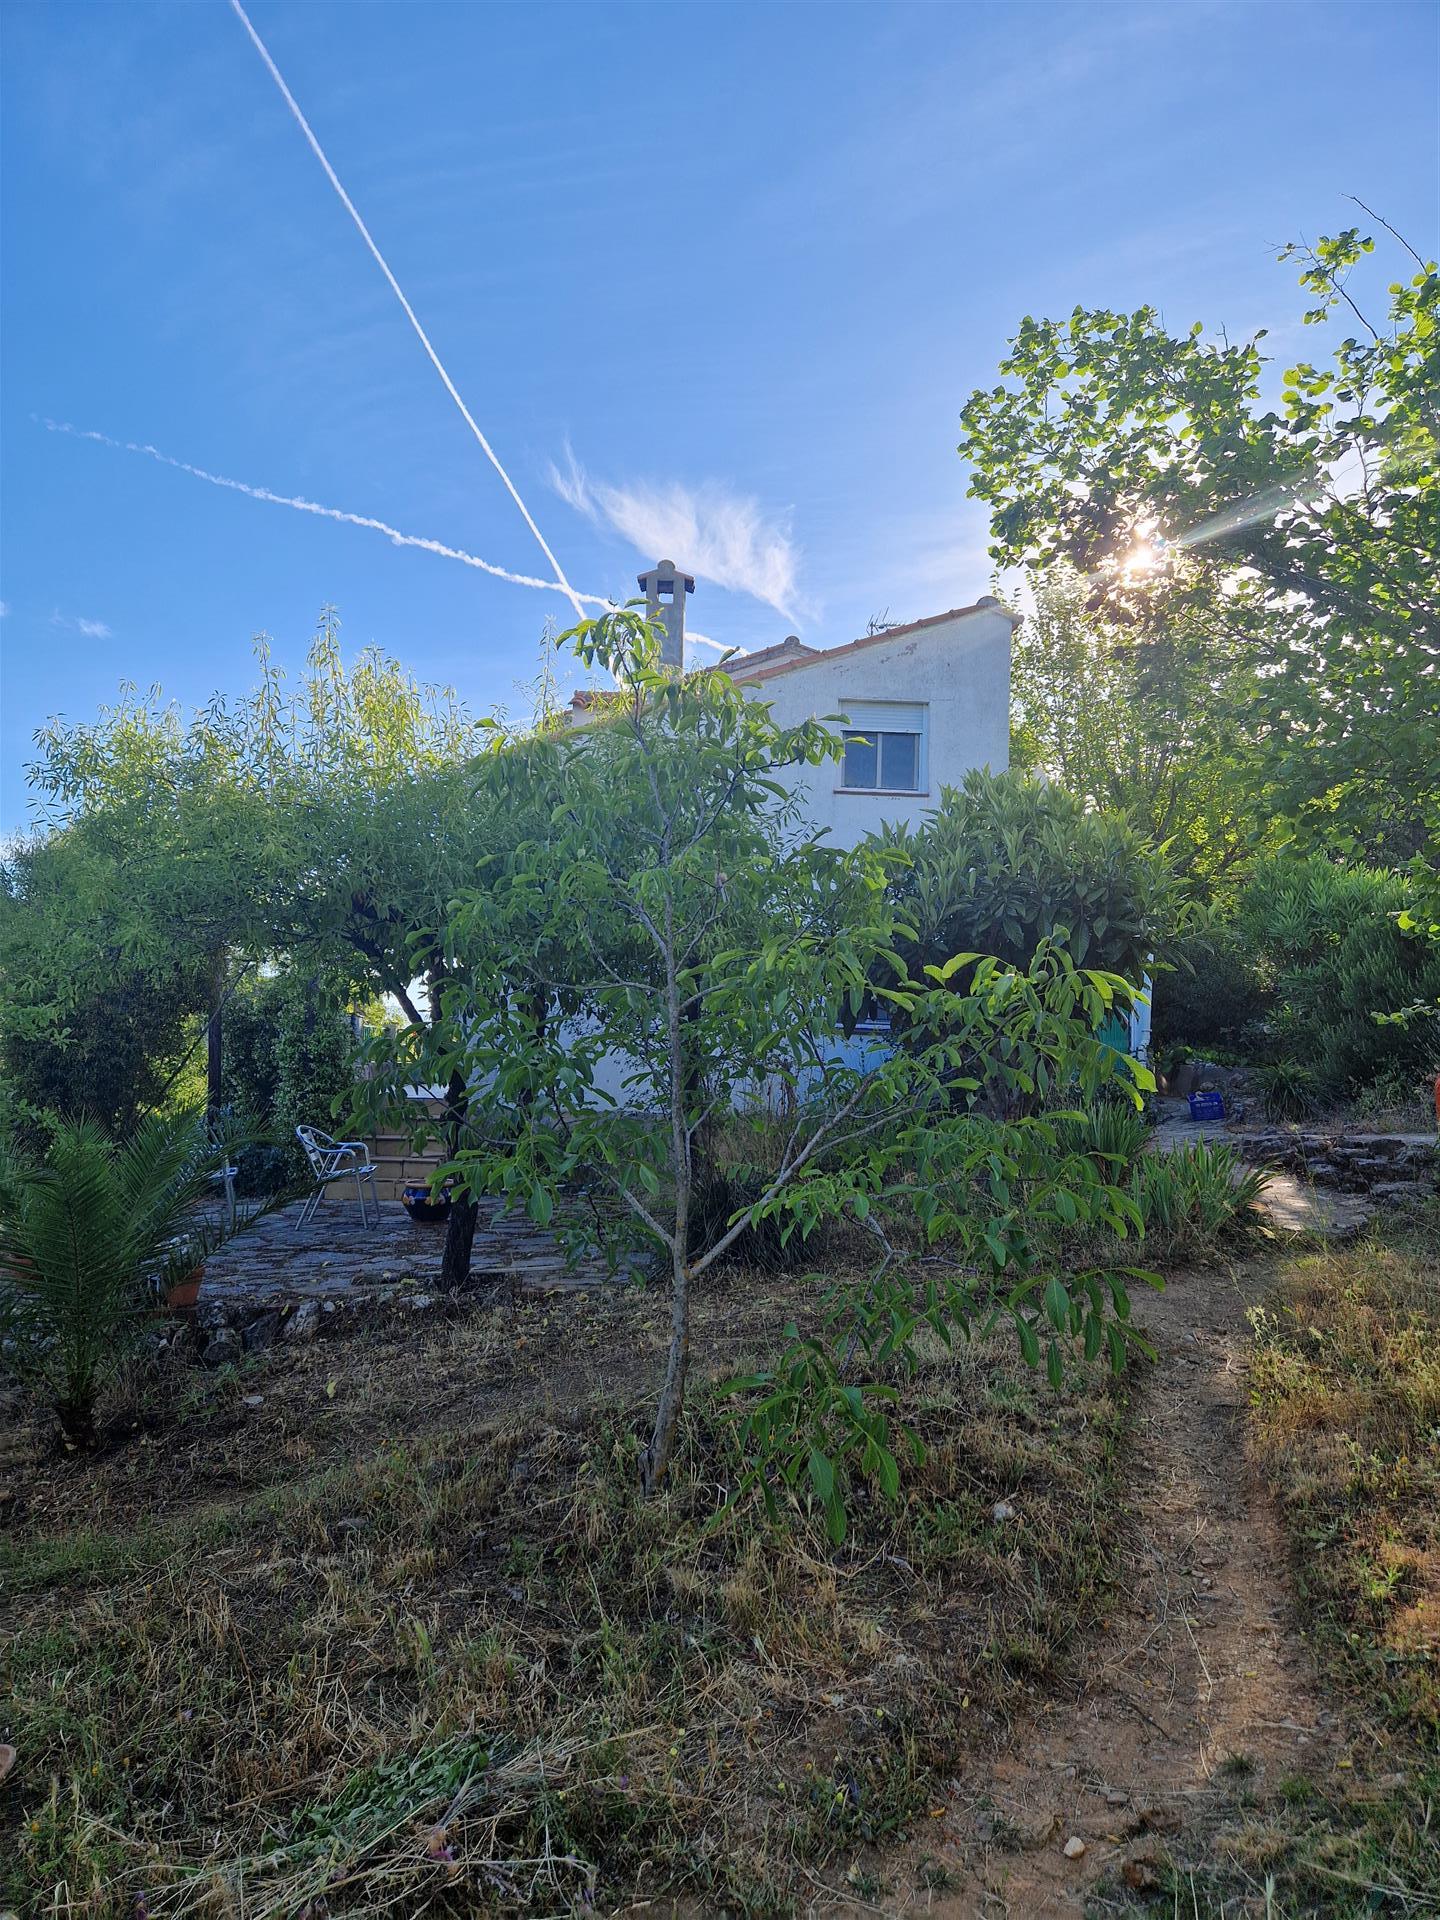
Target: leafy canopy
x: 1308, y: 532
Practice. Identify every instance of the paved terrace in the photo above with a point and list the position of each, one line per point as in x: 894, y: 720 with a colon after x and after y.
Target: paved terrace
x: 335, y: 1259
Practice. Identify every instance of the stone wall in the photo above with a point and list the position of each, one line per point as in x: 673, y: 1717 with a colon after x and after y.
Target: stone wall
x: 1388, y: 1165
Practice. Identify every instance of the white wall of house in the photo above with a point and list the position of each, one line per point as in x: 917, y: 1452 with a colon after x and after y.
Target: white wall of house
x: 948, y: 676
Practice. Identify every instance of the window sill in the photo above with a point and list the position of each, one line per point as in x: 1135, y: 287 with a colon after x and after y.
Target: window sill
x: 887, y: 793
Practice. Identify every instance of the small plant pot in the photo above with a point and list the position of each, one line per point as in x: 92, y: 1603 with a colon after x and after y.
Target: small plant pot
x: 425, y: 1207
x: 181, y: 1298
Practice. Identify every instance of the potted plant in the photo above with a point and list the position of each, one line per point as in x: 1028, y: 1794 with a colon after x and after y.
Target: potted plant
x: 425, y: 1204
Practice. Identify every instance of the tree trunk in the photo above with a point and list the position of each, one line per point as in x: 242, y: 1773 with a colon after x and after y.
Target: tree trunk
x: 460, y: 1227
x: 459, y: 1243
x: 214, y: 1040
x: 656, y: 1462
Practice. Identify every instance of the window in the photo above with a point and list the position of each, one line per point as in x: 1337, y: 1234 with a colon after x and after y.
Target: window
x: 884, y: 748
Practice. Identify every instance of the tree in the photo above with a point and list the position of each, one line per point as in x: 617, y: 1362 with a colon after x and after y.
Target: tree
x: 1310, y: 535
x: 1162, y: 730
x: 321, y: 826
x: 672, y: 929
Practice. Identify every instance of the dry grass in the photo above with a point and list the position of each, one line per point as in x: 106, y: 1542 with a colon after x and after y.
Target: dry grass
x: 1347, y: 1430
x: 404, y: 1638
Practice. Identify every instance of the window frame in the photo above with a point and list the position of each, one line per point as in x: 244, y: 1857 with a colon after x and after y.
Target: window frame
x: 870, y: 720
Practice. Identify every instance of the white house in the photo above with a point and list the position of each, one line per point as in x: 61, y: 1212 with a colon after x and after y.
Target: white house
x: 924, y: 703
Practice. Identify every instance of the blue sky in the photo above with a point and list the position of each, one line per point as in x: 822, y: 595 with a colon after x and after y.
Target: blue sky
x: 713, y: 278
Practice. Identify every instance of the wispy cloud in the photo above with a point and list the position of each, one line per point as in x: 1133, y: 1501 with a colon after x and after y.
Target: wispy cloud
x: 724, y: 537
x: 68, y: 623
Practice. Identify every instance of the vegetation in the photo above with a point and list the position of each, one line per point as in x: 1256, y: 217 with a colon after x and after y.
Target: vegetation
x: 555, y: 1692
x: 1345, y: 1390
x: 619, y: 942
x: 1007, y: 862
x: 1202, y: 520
x: 1347, y: 1393
x: 90, y: 1237
x: 810, y: 1518
x: 1294, y: 977
x: 1157, y: 729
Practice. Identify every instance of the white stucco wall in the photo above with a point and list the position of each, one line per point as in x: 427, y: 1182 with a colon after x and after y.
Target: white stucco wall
x: 957, y: 668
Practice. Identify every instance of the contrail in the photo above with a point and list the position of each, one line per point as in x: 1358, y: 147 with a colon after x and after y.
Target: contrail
x: 301, y: 505
x: 421, y: 335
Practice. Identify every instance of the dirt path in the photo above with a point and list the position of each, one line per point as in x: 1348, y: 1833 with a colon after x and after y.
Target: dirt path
x: 1199, y: 1675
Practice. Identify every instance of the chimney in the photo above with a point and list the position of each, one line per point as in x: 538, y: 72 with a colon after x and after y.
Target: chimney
x: 665, y: 589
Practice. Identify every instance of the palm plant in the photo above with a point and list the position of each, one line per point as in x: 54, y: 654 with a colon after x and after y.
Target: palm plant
x: 89, y: 1237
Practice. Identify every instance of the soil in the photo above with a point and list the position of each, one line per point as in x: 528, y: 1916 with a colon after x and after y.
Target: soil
x: 1200, y: 1680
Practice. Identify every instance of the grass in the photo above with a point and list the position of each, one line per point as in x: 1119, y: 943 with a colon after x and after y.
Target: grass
x: 1345, y: 1428
x: 403, y: 1637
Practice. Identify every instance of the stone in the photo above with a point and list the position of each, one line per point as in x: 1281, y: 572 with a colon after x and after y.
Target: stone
x: 261, y: 1332
x: 1002, y: 1510
x: 224, y: 1348
x: 1074, y: 1847
x: 304, y: 1323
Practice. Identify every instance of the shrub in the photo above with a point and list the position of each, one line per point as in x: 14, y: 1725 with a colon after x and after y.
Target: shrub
x: 1328, y: 939
x: 88, y: 1236
x: 1289, y: 1089
x: 1211, y: 998
x: 1006, y: 861
x: 1191, y: 1195
x: 1312, y: 953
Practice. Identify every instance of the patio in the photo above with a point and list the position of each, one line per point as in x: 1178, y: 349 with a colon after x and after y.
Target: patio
x: 335, y: 1261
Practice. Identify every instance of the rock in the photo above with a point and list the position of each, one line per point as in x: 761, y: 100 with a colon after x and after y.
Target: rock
x: 304, y: 1323
x: 1074, y: 1847
x: 1002, y: 1510
x: 254, y: 1400
x: 224, y: 1348
x: 1141, y: 1872
x: 261, y: 1333
x: 1157, y: 1820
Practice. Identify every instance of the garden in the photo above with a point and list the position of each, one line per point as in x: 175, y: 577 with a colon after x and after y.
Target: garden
x: 922, y: 1469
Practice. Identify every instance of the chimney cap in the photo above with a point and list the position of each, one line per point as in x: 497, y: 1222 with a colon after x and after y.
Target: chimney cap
x: 665, y: 574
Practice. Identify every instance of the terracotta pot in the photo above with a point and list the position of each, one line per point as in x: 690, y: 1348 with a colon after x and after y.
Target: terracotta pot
x: 182, y: 1296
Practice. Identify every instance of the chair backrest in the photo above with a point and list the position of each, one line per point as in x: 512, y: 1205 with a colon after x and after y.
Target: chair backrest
x: 319, y: 1148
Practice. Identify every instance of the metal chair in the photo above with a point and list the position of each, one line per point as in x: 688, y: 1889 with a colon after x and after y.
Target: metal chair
x: 217, y: 1132
x: 338, y: 1160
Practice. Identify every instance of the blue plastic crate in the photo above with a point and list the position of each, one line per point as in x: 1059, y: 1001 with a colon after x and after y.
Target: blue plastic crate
x: 1207, y: 1106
